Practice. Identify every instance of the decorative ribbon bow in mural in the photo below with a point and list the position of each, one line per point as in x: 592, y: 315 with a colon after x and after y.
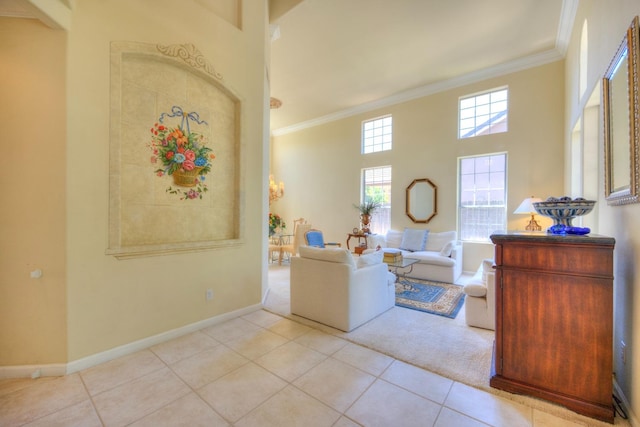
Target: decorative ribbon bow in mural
x: 182, y: 153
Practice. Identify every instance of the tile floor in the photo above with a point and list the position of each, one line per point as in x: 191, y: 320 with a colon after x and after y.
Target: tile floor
x: 258, y: 370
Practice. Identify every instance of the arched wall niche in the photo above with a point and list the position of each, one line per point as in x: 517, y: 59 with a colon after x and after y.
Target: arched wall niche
x: 174, y: 153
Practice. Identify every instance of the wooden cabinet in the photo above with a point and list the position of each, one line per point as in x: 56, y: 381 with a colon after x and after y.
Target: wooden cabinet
x: 554, y: 319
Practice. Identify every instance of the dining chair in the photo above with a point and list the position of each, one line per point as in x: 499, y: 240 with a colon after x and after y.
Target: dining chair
x: 300, y: 228
x: 315, y: 238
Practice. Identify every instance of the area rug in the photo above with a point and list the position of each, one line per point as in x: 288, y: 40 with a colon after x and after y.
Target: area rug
x: 442, y: 299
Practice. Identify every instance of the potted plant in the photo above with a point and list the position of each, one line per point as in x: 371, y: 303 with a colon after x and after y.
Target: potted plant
x: 366, y: 209
x: 276, y: 223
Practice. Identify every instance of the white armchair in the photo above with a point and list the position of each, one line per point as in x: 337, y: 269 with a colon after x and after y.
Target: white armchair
x: 329, y: 286
x: 480, y: 306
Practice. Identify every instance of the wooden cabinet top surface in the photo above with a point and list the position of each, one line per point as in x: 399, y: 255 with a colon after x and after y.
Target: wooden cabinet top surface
x: 544, y: 237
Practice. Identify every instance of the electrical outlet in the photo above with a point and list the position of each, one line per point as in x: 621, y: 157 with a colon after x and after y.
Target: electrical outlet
x: 209, y: 294
x: 623, y: 352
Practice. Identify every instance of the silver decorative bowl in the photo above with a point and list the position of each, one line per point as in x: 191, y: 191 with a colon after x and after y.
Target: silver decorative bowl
x: 562, y: 210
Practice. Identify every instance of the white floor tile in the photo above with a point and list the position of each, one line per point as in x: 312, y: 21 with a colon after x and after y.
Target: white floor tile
x: 236, y: 394
x: 321, y: 341
x: 449, y: 418
x: 183, y: 347
x: 421, y: 382
x: 290, y: 407
x: 488, y: 408
x: 290, y: 360
x: 363, y: 358
x: 385, y: 404
x: 335, y: 383
x: 81, y: 414
x: 119, y: 371
x: 136, y: 399
x: 189, y: 410
x: 207, y: 366
x: 257, y: 344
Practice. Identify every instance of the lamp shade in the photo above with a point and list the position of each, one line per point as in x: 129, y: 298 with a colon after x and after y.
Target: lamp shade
x: 526, y: 207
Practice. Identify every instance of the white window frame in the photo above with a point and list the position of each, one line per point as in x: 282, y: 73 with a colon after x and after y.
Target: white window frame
x: 480, y: 210
x: 483, y: 113
x: 377, y: 134
x: 378, y: 176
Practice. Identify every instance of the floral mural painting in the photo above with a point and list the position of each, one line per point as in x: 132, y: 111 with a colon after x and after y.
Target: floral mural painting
x: 171, y: 174
x: 183, y: 154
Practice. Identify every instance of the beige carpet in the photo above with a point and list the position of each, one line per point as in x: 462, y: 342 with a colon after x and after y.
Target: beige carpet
x: 447, y: 347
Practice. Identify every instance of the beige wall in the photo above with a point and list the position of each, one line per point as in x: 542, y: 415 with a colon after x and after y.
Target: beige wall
x: 115, y: 302
x: 321, y: 166
x: 606, y: 27
x: 60, y: 203
x: 32, y: 218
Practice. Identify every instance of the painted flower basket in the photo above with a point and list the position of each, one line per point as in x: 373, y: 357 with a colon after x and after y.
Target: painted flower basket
x: 182, y: 153
x: 184, y: 178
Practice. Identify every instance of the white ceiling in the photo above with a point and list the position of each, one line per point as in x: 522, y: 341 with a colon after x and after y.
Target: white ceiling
x: 335, y: 58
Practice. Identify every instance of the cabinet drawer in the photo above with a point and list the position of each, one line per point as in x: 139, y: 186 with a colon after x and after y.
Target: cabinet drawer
x: 558, y: 258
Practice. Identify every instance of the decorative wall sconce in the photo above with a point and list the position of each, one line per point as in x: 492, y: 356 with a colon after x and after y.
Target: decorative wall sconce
x: 526, y: 207
x: 276, y: 191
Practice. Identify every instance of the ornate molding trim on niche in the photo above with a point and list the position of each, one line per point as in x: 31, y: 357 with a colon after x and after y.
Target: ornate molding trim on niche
x: 191, y: 56
x: 155, y: 88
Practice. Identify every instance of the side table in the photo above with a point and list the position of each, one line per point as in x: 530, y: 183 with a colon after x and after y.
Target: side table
x: 359, y: 237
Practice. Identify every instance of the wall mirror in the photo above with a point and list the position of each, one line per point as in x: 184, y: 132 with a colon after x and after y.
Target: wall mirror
x: 422, y: 200
x: 621, y: 121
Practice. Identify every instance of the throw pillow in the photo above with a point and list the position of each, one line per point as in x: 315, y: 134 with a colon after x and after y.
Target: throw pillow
x: 394, y: 239
x: 438, y: 240
x: 446, y: 249
x: 370, y: 259
x: 414, y: 239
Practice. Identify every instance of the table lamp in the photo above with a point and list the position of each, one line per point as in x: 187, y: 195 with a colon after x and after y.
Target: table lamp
x: 526, y: 207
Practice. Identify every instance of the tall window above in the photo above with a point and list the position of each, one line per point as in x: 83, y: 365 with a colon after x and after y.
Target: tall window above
x: 484, y: 113
x: 482, y: 203
x: 377, y: 134
x: 376, y: 187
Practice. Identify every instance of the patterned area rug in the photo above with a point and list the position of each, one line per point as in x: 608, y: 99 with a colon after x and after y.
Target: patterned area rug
x: 443, y: 299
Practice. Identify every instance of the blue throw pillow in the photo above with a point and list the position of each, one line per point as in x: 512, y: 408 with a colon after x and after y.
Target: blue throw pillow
x: 414, y: 239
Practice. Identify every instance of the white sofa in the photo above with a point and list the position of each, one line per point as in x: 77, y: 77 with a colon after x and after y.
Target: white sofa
x: 440, y: 261
x: 480, y: 306
x: 330, y: 286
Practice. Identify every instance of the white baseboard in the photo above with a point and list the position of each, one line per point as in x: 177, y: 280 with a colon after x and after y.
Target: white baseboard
x: 33, y: 371
x: 633, y: 420
x: 60, y: 369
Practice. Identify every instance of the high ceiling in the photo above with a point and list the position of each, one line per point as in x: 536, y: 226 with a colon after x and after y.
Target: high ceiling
x: 334, y: 58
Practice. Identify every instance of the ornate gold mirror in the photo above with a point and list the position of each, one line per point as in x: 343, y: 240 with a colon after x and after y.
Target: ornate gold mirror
x: 621, y: 127
x: 422, y: 200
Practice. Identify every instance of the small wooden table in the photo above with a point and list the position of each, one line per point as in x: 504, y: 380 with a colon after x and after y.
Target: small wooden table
x: 359, y: 237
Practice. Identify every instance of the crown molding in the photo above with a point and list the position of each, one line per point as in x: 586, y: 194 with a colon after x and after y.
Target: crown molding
x: 565, y: 26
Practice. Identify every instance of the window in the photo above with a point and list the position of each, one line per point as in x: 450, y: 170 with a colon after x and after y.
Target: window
x: 482, y: 203
x: 376, y: 186
x: 376, y: 134
x: 483, y: 114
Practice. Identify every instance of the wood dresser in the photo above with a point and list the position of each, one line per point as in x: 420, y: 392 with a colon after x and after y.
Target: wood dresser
x: 554, y: 319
